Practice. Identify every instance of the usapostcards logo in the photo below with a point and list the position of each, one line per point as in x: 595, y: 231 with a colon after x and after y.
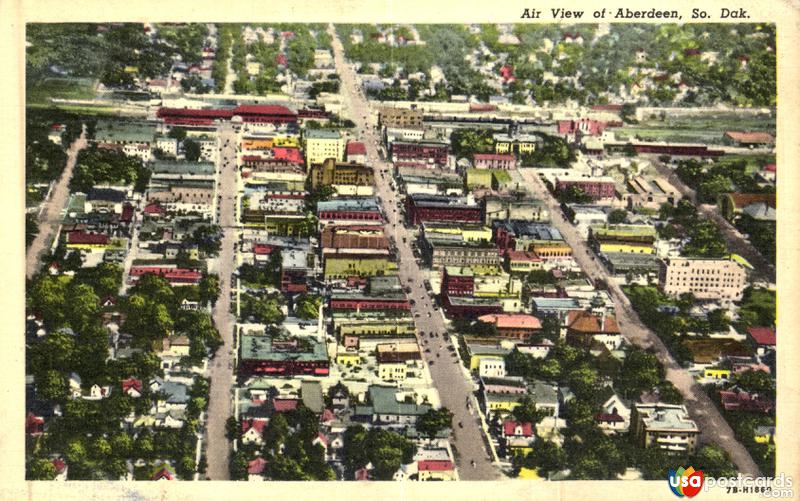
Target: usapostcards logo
x: 686, y: 482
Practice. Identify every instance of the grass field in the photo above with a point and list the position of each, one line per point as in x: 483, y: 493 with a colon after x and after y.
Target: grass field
x: 60, y: 88
x: 707, y: 129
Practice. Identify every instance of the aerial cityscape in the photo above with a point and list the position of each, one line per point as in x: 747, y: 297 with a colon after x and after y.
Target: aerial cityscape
x: 411, y: 252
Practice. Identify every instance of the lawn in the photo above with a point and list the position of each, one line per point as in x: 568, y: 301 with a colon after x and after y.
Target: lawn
x: 60, y: 88
x: 707, y: 128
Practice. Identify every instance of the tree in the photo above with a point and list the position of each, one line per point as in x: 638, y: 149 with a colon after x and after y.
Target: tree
x: 276, y: 432
x: 84, y: 306
x: 617, y: 216
x: 209, y: 288
x: 628, y: 113
x: 47, y: 296
x: 52, y: 385
x: 466, y: 142
x: 755, y: 381
x: 718, y: 320
x: 178, y: 133
x: 238, y: 466
x: 40, y: 469
x: 191, y: 150
x: 307, y: 307
x: 641, y: 371
x: 715, y: 462
x: 31, y: 228
x: 435, y: 421
x: 526, y: 411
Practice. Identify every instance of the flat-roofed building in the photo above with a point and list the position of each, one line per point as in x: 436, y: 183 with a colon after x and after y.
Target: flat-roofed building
x: 665, y: 426
x: 650, y: 193
x: 400, y: 117
x: 633, y: 238
x: 321, y: 144
x: 719, y: 279
x: 333, y: 173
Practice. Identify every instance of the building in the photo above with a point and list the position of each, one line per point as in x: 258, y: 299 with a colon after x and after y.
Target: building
x: 350, y: 210
x: 455, y: 251
x: 665, y: 426
x: 519, y: 144
x: 420, y: 208
x: 419, y: 153
x: 398, y: 360
x: 629, y: 238
x: 469, y: 232
x: 491, y: 367
x: 522, y: 262
x: 515, y: 206
x: 388, y: 406
x: 333, y: 173
x: 584, y: 328
x: 321, y: 144
x: 494, y: 161
x: 523, y: 235
x: 261, y: 355
x: 598, y: 188
x: 650, y: 193
x: 428, y: 181
x: 717, y: 279
x: 732, y: 205
x: 518, y: 327
x: 400, y: 117
x: 294, y: 271
x: 748, y: 139
x: 762, y: 339
x: 356, y: 152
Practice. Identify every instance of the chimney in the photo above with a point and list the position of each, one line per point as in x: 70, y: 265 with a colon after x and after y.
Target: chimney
x: 603, y: 321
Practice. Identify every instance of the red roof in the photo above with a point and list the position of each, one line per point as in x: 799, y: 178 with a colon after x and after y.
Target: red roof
x: 168, y: 273
x: 190, y: 113
x: 280, y: 59
x: 263, y: 249
x: 256, y: 466
x: 608, y: 418
x: 509, y: 429
x: 257, y: 424
x: 131, y: 382
x: 511, y: 321
x: 762, y: 335
x: 494, y: 156
x: 263, y: 109
x: 327, y: 415
x: 154, y: 208
x: 59, y: 464
x: 527, y: 256
x: 479, y: 107
x: 588, y: 323
x: 292, y: 155
x: 33, y: 424
x: 163, y: 474
x: 770, y: 168
x: 81, y: 238
x: 285, y: 404
x: 435, y: 465
x: 356, y: 148
x: 127, y: 213
x: 751, y: 137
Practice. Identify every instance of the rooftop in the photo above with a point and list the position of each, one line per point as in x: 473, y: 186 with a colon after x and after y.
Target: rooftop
x: 348, y: 204
x: 257, y: 347
x: 535, y: 230
x: 660, y: 416
x: 183, y: 168
x: 108, y: 131
x: 322, y: 134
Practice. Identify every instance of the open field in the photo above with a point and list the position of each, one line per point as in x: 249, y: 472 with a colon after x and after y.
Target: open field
x: 708, y: 129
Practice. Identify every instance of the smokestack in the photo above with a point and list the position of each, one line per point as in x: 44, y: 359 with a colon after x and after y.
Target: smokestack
x: 603, y: 321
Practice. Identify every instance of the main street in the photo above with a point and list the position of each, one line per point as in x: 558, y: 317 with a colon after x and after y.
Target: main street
x: 472, y: 457
x: 221, y: 366
x: 702, y: 409
x: 734, y: 240
x: 50, y: 217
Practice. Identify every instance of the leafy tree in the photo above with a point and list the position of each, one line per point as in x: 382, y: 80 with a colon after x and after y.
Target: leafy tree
x: 52, y: 385
x: 617, y: 216
x: 209, y: 288
x: 238, y: 466
x: 31, y: 228
x: 526, y: 411
x: 307, y: 306
x: 435, y: 421
x: 40, y: 469
x: 178, y: 133
x: 47, y: 295
x: 232, y: 428
x: 755, y: 381
x: 191, y: 150
x: 715, y: 462
x: 467, y: 142
x: 276, y: 432
x: 641, y: 371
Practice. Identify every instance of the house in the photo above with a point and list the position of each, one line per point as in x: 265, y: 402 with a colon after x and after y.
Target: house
x: 762, y: 339
x: 164, y: 472
x: 491, y: 367
x: 175, y: 346
x: 252, y: 431
x: 739, y: 400
x: 62, y: 469
x: 255, y: 469
x: 614, y: 415
x: 584, y: 327
x: 356, y: 152
x: 761, y: 205
x: 665, y: 426
x: 518, y: 327
x: 518, y: 437
x: 748, y: 139
x: 132, y: 387
x: 389, y: 406
x: 764, y: 434
x: 172, y: 395
x: 435, y: 470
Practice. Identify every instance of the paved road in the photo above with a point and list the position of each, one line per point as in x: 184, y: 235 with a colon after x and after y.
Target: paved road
x: 50, y: 217
x: 735, y: 240
x: 448, y: 375
x: 702, y: 409
x: 133, y: 252
x: 221, y: 366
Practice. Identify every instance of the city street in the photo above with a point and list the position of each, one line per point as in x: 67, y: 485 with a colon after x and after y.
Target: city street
x: 50, y: 217
x: 221, y: 366
x: 472, y: 457
x: 714, y: 427
x: 735, y: 241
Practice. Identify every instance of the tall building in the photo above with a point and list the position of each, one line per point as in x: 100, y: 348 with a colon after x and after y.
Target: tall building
x: 321, y: 144
x: 723, y: 279
x: 330, y: 173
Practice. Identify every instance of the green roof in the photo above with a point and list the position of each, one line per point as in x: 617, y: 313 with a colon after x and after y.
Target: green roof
x: 256, y: 347
x: 126, y: 131
x: 322, y: 134
x: 311, y: 391
x: 384, y: 401
x: 183, y: 168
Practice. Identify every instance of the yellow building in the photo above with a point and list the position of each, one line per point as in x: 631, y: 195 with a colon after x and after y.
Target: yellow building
x: 717, y: 373
x: 519, y: 144
x: 353, y: 265
x: 468, y: 232
x: 629, y: 238
x: 436, y: 474
x: 529, y: 474
x: 321, y: 144
x: 552, y: 250
x: 629, y: 247
x: 394, y: 371
x: 348, y: 358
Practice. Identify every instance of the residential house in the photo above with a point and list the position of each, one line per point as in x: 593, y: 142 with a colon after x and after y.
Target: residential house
x: 665, y: 426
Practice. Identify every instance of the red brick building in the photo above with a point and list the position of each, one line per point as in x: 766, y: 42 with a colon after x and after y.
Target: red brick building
x: 457, y: 284
x: 595, y: 188
x: 428, y: 153
x: 494, y: 161
x: 437, y: 208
